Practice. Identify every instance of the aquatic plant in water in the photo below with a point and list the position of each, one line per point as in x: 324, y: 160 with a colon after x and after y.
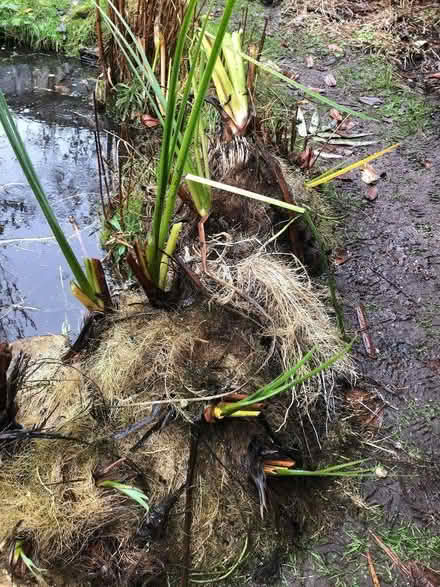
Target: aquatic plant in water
x: 90, y: 287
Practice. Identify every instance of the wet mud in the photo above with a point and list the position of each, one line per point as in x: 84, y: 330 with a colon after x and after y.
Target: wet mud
x: 389, y: 262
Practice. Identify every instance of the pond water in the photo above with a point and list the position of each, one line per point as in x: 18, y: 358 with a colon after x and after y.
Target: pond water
x: 56, y: 126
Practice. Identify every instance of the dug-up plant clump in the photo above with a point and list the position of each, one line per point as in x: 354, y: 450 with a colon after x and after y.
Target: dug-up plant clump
x: 130, y: 413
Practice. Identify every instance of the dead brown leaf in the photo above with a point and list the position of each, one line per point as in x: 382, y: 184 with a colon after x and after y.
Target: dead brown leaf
x: 347, y: 125
x: 310, y: 62
x: 366, y: 407
x: 336, y: 49
x: 428, y: 163
x: 335, y: 114
x: 330, y: 80
x: 423, y: 576
x: 340, y: 256
x: 433, y: 364
x: 419, y: 575
x: 368, y: 174
x: 305, y: 158
x: 290, y: 74
x: 371, y: 193
x: 149, y: 121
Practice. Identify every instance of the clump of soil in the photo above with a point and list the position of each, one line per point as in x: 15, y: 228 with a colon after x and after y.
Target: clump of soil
x: 131, y: 411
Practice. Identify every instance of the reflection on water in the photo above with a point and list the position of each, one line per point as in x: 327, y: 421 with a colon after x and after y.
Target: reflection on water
x: 34, y: 278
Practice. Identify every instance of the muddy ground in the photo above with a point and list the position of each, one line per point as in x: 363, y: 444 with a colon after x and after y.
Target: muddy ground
x: 390, y: 253
x: 389, y: 260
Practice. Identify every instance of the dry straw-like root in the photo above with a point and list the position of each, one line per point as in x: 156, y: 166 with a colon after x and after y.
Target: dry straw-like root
x: 175, y: 357
x: 262, y: 315
x: 292, y: 313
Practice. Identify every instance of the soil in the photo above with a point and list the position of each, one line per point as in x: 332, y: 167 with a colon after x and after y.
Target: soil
x: 391, y: 264
x: 390, y: 255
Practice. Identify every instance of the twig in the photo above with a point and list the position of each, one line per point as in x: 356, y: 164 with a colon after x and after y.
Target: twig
x: 366, y: 338
x: 161, y: 423
x: 98, y: 160
x: 101, y: 168
x: 195, y: 435
x: 396, y: 560
x: 372, y: 570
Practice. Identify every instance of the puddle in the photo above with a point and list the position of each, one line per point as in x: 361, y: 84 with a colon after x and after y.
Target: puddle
x: 56, y: 127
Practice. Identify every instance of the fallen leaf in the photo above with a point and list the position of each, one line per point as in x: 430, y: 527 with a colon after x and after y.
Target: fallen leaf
x: 371, y: 193
x: 301, y: 125
x: 340, y: 256
x: 331, y: 133
x: 381, y: 472
x: 336, y: 49
x: 335, y: 114
x: 289, y: 74
x: 433, y: 364
x: 423, y: 576
x: 370, y: 100
x: 346, y: 125
x: 337, y: 140
x: 305, y: 158
x: 366, y: 408
x: 330, y: 80
x: 314, y: 123
x: 368, y: 174
x: 428, y: 163
x: 420, y: 43
x: 327, y: 155
x: 284, y: 44
x: 299, y: 19
x: 149, y: 121
x: 310, y: 62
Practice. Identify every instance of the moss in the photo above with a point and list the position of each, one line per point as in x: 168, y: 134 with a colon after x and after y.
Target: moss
x: 33, y: 24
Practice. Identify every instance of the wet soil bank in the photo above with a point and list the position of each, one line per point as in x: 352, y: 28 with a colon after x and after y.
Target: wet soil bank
x: 50, y: 97
x: 390, y: 262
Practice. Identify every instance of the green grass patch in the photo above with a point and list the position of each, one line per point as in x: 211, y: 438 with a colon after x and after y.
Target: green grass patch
x: 48, y: 24
x: 33, y: 24
x: 81, y: 28
x: 407, y: 541
x: 373, y: 76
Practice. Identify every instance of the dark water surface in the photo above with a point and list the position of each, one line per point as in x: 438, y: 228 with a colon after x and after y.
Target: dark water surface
x: 56, y: 127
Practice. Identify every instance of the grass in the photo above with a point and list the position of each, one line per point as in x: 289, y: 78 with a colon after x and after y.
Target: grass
x: 349, y: 569
x: 38, y: 25
x: 131, y: 492
x: 90, y: 286
x: 80, y: 28
x: 408, y: 110
x: 33, y: 24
